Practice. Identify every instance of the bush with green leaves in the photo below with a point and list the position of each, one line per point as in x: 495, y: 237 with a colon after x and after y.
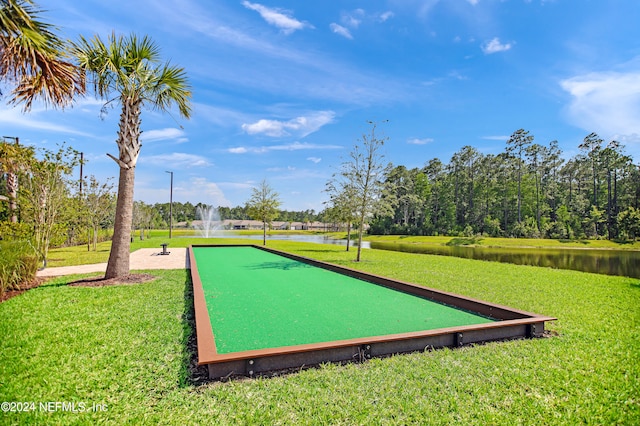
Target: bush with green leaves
x: 18, y: 264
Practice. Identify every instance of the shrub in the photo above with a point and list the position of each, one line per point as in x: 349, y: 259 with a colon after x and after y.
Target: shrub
x: 15, y: 231
x: 18, y: 264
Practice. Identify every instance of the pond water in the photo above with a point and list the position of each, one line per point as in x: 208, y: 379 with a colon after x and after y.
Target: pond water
x: 319, y: 239
x: 609, y: 262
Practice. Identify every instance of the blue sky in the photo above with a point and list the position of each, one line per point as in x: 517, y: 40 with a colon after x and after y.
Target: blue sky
x: 283, y: 89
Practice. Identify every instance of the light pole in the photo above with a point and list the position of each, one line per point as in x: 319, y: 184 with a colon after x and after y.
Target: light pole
x: 81, y: 164
x: 171, y: 205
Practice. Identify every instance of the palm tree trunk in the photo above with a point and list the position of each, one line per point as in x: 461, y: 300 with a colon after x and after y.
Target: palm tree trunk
x: 129, y: 149
x: 118, y: 264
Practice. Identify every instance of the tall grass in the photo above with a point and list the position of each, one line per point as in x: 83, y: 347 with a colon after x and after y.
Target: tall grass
x: 18, y: 264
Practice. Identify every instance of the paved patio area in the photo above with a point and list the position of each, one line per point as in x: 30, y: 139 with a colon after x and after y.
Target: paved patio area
x: 149, y: 258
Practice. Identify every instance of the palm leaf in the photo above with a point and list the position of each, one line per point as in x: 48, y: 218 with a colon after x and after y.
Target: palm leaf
x: 33, y: 56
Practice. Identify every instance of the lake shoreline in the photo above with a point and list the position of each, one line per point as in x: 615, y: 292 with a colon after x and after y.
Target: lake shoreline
x: 489, y: 242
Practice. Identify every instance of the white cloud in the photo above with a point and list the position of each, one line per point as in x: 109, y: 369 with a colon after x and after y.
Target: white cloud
x: 353, y: 19
x: 419, y: 141
x: 340, y: 30
x: 88, y: 104
x: 277, y: 17
x: 496, y: 138
x: 177, y: 160
x: 473, y: 2
x: 268, y: 127
x: 607, y: 103
x: 314, y: 159
x: 15, y: 118
x: 299, y: 126
x: 494, y: 46
x: 162, y: 134
x: 281, y: 169
x: 220, y: 116
x: 457, y: 76
x: 202, y: 190
x: 234, y: 186
x: 295, y: 146
x: 385, y: 16
x: 193, y: 190
x: 238, y: 150
x: 298, y: 175
x: 317, y: 76
x: 421, y: 8
x: 632, y: 138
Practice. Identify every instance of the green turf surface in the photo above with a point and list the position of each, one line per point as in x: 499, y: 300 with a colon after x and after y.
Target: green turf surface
x: 259, y: 300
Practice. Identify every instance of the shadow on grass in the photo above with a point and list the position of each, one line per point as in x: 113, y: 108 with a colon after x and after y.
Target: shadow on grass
x: 324, y: 250
x: 282, y: 265
x: 65, y: 280
x: 571, y: 240
x: 623, y: 242
x: 191, y: 374
x: 464, y: 241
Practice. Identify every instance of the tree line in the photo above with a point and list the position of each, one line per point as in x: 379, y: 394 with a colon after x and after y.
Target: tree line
x: 528, y: 190
x: 187, y: 212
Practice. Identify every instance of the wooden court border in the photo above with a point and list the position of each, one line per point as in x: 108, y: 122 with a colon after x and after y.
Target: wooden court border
x: 510, y: 324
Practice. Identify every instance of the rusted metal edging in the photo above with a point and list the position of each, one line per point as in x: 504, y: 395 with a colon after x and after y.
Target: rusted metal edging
x: 204, y: 333
x: 511, y: 324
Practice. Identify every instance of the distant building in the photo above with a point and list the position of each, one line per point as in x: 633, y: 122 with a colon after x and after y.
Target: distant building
x: 312, y: 226
x: 234, y: 224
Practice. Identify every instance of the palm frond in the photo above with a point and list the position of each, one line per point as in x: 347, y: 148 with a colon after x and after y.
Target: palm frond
x: 171, y: 86
x: 127, y: 66
x: 34, y: 57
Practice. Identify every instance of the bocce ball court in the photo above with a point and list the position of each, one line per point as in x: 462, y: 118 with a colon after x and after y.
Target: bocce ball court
x: 259, y: 310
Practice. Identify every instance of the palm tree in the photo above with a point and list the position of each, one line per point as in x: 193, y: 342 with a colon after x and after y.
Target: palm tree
x: 128, y: 70
x: 32, y: 56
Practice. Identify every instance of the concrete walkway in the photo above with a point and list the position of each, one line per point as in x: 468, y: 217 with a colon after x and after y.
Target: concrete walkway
x: 148, y: 258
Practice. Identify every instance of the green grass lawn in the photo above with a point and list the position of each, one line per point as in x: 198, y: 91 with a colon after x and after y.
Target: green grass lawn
x: 125, y: 347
